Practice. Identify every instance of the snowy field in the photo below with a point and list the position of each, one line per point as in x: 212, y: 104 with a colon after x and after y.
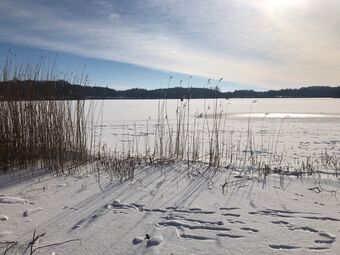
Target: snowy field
x: 171, y: 210
x: 180, y: 209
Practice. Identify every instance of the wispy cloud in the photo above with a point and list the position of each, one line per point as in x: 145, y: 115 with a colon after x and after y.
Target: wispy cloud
x: 265, y: 43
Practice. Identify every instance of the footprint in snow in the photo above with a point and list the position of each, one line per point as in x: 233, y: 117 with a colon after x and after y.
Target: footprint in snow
x: 229, y: 236
x: 150, y: 241
x: 31, y: 211
x: 283, y: 247
x: 235, y: 221
x: 326, y: 238
x: 3, y: 217
x: 253, y: 230
x: 137, y: 240
x: 280, y: 222
x: 78, y: 224
x: 193, y: 211
x: 179, y: 225
x: 194, y: 237
x: 179, y: 217
x: 318, y: 248
x: 69, y: 208
x: 231, y: 214
x: 154, y: 241
x: 323, y: 237
x: 229, y: 208
x: 320, y: 218
x: 317, y: 203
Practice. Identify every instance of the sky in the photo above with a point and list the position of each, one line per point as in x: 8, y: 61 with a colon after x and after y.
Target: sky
x: 262, y: 44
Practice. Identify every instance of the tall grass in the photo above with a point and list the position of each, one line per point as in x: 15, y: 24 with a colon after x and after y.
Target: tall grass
x: 45, y: 134
x: 205, y: 137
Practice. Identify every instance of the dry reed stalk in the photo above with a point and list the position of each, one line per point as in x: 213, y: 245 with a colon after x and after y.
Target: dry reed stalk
x: 43, y: 134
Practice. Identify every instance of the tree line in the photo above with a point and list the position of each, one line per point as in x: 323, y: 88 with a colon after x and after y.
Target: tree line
x: 63, y: 90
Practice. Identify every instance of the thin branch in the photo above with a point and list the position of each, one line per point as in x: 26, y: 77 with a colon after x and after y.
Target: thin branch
x: 12, y: 244
x: 54, y: 244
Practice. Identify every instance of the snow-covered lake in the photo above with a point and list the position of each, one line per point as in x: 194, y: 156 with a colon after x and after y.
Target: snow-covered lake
x: 141, y: 110
x: 302, y: 127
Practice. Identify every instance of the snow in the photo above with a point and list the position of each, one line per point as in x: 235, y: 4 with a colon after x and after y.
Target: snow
x: 172, y: 210
x: 4, y: 234
x: 137, y: 240
x: 11, y: 200
x: 305, y: 127
x: 176, y: 209
x: 31, y: 211
x: 154, y: 240
x: 3, y: 218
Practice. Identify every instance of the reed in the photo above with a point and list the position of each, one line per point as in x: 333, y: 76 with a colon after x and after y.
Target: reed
x: 40, y: 134
x: 205, y: 137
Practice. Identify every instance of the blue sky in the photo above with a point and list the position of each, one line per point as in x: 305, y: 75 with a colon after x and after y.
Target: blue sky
x: 263, y: 44
x: 117, y: 75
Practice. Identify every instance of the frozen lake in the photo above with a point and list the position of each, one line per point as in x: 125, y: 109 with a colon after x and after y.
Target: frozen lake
x: 295, y: 127
x: 141, y: 110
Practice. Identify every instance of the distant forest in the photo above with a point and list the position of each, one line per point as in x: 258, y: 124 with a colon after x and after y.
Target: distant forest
x: 59, y: 90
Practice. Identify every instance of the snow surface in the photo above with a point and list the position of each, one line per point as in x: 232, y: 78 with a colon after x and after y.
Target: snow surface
x: 172, y: 209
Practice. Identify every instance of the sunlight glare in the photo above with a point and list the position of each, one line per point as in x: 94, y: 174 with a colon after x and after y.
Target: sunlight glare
x: 282, y: 4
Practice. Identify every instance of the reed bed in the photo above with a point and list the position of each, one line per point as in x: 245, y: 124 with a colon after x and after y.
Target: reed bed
x: 40, y: 134
x: 44, y: 134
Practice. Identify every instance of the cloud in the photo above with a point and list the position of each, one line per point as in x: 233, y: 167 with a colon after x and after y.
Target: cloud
x: 264, y: 43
